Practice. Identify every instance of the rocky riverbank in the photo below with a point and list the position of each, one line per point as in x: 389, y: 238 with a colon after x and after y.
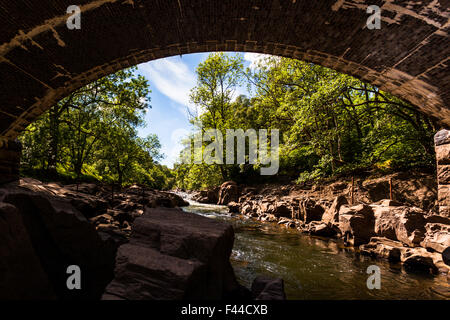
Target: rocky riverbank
x: 131, y: 244
x: 46, y: 227
x: 408, y: 231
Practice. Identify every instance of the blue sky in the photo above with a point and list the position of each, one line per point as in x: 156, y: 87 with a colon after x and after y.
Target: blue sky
x: 171, y: 80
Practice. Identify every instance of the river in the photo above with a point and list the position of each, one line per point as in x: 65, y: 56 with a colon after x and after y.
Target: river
x: 314, y: 268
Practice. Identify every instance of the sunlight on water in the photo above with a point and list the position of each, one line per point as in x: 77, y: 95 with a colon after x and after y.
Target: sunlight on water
x: 313, y: 268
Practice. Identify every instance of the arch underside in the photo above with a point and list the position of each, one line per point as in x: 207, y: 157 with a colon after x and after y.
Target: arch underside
x: 42, y: 61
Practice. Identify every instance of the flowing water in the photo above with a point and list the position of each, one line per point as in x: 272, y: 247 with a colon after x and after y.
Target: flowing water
x: 315, y: 268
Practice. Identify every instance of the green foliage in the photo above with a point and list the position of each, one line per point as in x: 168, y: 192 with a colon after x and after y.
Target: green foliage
x: 92, y: 135
x: 330, y: 123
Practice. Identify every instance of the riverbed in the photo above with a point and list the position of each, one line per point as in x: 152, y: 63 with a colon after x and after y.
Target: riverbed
x: 314, y: 268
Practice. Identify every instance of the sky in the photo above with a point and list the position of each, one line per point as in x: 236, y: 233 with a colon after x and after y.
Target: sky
x: 171, y: 80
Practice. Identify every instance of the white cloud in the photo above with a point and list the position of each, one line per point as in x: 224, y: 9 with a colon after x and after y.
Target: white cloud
x: 172, y: 78
x: 255, y: 58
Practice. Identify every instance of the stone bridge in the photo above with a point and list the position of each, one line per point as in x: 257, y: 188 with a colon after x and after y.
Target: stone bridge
x: 42, y: 60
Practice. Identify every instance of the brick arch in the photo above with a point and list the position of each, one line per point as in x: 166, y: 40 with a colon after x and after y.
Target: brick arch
x: 42, y: 61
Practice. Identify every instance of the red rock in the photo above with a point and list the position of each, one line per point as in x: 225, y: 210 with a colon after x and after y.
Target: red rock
x: 357, y: 224
x: 228, y: 192
x: 175, y: 255
x: 331, y: 215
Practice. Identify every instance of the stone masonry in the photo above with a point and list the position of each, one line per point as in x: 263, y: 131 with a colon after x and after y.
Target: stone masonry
x: 442, y: 145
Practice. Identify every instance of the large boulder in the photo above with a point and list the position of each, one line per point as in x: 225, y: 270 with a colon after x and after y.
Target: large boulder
x: 210, y: 195
x: 228, y: 192
x: 331, y: 215
x: 411, y: 225
x: 357, y: 224
x: 400, y: 222
x: 174, y: 255
x: 62, y: 236
x: 22, y: 276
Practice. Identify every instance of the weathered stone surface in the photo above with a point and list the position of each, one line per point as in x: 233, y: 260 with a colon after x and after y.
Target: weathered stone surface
x: 357, y: 224
x: 442, y: 137
x: 310, y: 210
x: 402, y: 223
x: 143, y: 273
x: 281, y: 209
x: 331, y: 215
x: 444, y: 195
x: 22, y: 276
x: 320, y: 229
x: 386, y: 221
x: 437, y: 237
x: 172, y: 255
x: 420, y: 260
x: 443, y: 154
x: 443, y: 173
x: 264, y: 288
x: 62, y: 236
x: 228, y: 192
x: 384, y: 248
x: 410, y: 228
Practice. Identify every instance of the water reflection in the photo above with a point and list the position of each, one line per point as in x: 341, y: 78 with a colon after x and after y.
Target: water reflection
x: 315, y: 268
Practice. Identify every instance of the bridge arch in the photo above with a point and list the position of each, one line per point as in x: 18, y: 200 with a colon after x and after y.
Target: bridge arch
x: 42, y: 60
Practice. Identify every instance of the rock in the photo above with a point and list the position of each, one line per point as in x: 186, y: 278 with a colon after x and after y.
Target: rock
x: 420, y: 260
x: 207, y: 196
x: 228, y: 192
x: 402, y: 223
x: 384, y: 248
x: 88, y: 188
x: 386, y: 221
x: 357, y: 224
x: 410, y: 228
x: 437, y: 219
x: 22, y: 276
x: 269, y: 218
x: 102, y: 219
x: 321, y: 229
x: 282, y: 209
x: 233, y: 207
x: 62, y: 237
x: 264, y: 288
x: 121, y: 216
x: 331, y: 215
x: 437, y: 237
x: 310, y: 210
x: 175, y: 255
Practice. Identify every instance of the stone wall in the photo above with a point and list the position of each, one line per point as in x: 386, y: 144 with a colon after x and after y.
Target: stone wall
x: 442, y: 145
x: 10, y: 152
